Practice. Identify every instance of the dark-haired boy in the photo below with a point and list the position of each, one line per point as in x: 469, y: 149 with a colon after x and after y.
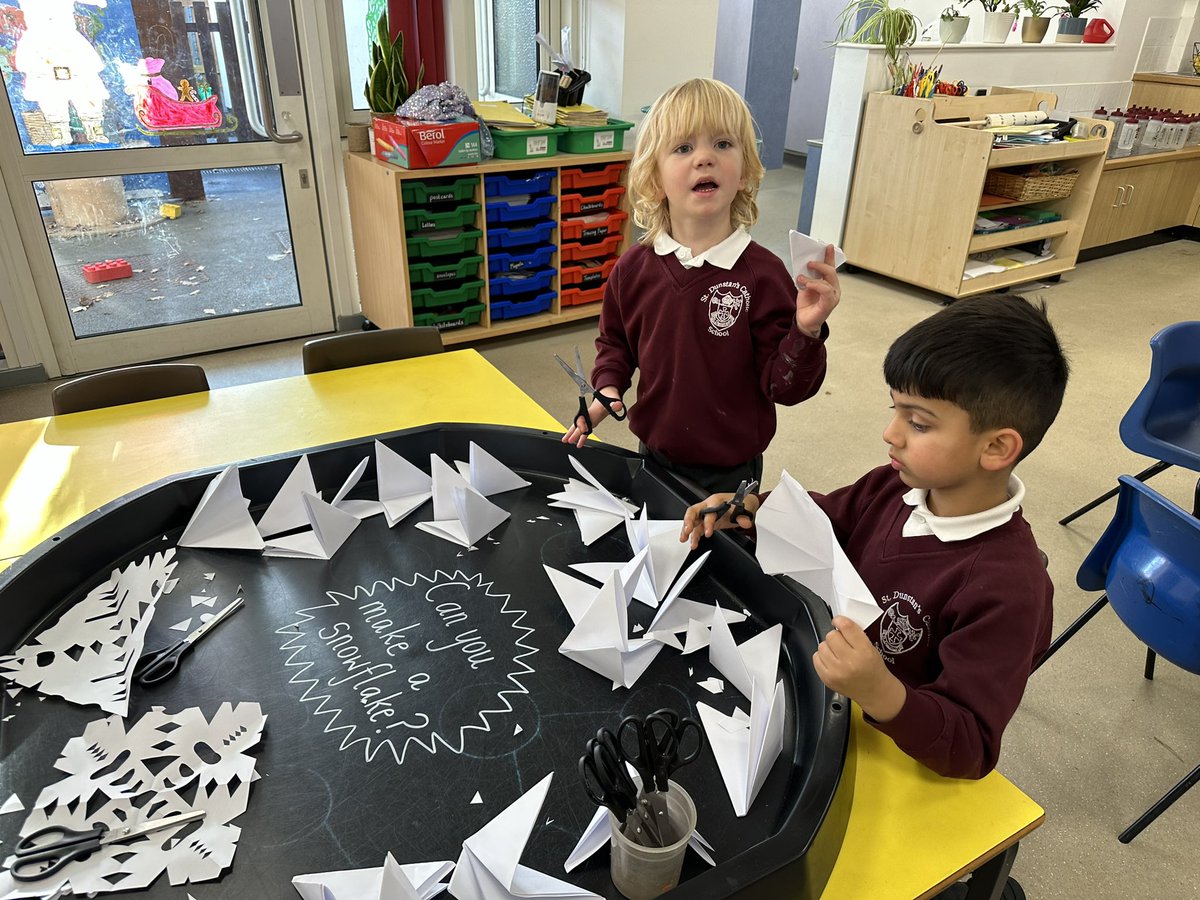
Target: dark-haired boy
x: 939, y: 538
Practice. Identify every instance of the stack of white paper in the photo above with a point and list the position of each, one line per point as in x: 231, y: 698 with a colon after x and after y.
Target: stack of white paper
x: 461, y: 514
x: 597, y: 510
x: 222, y: 518
x: 600, y: 639
x: 487, y: 474
x: 392, y: 881
x: 286, y: 511
x: 402, y: 486
x: 795, y: 538
x: 330, y: 528
x: 489, y: 866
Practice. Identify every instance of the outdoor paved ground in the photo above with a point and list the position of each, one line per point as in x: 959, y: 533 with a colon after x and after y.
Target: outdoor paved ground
x: 229, y: 253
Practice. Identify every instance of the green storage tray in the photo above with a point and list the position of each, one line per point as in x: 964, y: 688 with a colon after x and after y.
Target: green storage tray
x: 416, y: 220
x: 595, y: 138
x: 439, y: 191
x: 468, y: 315
x: 528, y: 143
x: 433, y: 298
x: 432, y: 273
x: 426, y: 246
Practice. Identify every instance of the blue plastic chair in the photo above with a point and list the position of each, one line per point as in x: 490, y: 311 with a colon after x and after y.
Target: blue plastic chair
x: 1147, y: 562
x: 1164, y: 421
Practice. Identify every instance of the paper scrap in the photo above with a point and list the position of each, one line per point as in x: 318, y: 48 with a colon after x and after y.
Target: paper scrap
x: 11, y: 805
x: 712, y: 685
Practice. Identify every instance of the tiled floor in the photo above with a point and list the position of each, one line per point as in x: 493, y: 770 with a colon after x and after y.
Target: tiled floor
x: 1093, y: 742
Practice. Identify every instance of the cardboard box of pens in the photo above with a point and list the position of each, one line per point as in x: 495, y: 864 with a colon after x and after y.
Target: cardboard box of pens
x: 411, y: 144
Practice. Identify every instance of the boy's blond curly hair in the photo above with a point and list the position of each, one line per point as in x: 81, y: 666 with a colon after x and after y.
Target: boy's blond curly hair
x: 701, y: 104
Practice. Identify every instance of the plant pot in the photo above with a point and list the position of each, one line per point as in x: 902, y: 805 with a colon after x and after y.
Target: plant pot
x: 1034, y: 28
x: 997, y: 25
x: 358, y: 137
x: 1070, y: 30
x: 951, y: 31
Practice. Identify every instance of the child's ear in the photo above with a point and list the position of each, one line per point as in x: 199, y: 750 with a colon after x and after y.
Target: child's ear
x: 1002, y: 449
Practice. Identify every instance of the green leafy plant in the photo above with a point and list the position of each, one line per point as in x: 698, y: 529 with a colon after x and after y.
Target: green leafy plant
x: 1036, y: 7
x: 1076, y: 8
x: 895, y: 27
x: 1003, y: 6
x: 387, y: 82
x: 952, y: 12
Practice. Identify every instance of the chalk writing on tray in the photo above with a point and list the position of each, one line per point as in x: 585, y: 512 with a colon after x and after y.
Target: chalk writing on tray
x: 377, y: 663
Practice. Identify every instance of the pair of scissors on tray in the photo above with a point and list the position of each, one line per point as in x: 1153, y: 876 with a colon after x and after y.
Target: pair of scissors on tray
x: 736, y: 503
x: 587, y: 393
x: 607, y: 783
x: 156, y: 666
x: 35, y: 860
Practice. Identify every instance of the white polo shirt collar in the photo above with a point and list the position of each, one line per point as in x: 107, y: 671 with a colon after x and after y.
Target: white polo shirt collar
x: 959, y: 528
x: 723, y: 255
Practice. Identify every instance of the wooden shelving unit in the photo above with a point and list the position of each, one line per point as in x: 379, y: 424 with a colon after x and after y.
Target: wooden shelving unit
x: 381, y: 252
x: 918, y: 184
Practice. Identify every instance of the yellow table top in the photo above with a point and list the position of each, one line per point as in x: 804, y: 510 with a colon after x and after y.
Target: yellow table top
x: 55, y: 470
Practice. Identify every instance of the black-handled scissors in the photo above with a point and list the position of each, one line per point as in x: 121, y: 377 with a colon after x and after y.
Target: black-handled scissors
x: 154, y: 666
x: 35, y: 860
x: 737, y: 503
x: 587, y: 392
x: 657, y: 745
x: 606, y: 782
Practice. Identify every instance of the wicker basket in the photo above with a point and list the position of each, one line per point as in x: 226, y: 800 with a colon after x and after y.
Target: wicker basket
x: 1029, y: 187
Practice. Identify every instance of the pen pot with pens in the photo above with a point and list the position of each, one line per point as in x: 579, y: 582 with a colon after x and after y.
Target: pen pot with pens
x: 651, y: 817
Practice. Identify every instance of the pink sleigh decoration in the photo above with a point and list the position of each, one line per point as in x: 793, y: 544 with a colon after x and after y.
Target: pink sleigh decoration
x: 157, y: 105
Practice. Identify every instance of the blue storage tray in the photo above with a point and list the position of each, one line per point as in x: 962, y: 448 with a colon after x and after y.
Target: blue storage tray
x: 516, y: 262
x: 507, y: 185
x: 512, y: 309
x: 536, y: 208
x: 520, y: 237
x: 526, y: 282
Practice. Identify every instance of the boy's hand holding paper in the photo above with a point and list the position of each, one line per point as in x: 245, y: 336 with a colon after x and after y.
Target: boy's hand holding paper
x: 819, y: 291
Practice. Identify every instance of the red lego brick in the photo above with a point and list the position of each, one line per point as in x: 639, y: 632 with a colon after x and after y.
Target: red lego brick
x: 109, y: 270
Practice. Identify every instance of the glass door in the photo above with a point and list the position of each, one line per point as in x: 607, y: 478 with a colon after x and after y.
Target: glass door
x: 157, y: 158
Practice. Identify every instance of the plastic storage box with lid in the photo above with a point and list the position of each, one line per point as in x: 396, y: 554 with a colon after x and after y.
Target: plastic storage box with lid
x: 526, y: 143
x: 450, y: 295
x: 519, y: 208
x: 520, y: 237
x: 587, y: 273
x: 593, y: 226
x: 525, y: 306
x: 606, y: 247
x: 508, y: 185
x: 449, y: 319
x: 434, y: 273
x: 439, y: 191
x: 593, y: 176
x: 442, y: 243
x: 429, y: 220
x: 592, y: 200
x: 607, y: 138
x: 526, y: 282
x: 580, y: 296
x: 527, y: 259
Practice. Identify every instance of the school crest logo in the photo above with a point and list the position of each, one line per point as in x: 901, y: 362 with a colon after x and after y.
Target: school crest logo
x: 726, y: 301
x: 896, y: 633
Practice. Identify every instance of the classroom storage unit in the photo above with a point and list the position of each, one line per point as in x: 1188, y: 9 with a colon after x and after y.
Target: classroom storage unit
x: 920, y: 185
x: 488, y: 249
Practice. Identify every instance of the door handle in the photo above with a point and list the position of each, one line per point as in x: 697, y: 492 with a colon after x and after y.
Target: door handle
x: 1117, y: 204
x: 265, y: 101
x: 1128, y: 196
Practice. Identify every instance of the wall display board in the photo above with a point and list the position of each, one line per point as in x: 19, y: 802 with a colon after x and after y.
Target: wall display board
x: 414, y: 688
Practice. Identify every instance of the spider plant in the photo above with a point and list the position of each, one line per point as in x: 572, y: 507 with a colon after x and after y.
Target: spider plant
x: 895, y: 27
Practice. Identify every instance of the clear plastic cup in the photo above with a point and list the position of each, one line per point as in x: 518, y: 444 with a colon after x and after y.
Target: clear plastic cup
x: 641, y: 873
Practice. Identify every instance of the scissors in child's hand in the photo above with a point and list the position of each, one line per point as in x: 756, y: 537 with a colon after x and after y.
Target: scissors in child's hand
x: 736, y: 503
x: 587, y: 392
x: 159, y: 665
x: 35, y: 861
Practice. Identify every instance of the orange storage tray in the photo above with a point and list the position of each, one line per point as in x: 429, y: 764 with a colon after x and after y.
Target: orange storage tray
x: 573, y: 276
x: 580, y: 229
x: 606, y: 247
x: 603, y: 176
x: 578, y: 296
x: 574, y: 204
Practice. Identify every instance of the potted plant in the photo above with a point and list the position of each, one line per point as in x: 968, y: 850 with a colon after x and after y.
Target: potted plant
x: 387, y: 83
x: 998, y: 18
x: 878, y: 22
x: 953, y: 25
x: 1035, y: 25
x: 1072, y: 23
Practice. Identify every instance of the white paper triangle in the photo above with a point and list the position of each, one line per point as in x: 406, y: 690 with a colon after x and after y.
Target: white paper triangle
x: 490, y: 476
x: 402, y: 486
x: 286, y: 510
x: 330, y: 529
x: 222, y: 518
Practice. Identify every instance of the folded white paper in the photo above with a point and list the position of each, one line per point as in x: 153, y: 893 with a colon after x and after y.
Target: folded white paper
x: 391, y: 881
x: 330, y: 528
x: 746, y: 749
x: 402, y: 486
x: 665, y: 556
x: 795, y: 538
x: 597, y: 510
x: 489, y: 866
x: 361, y: 509
x: 222, y: 518
x: 742, y: 664
x: 806, y: 249
x: 487, y: 474
x: 461, y: 514
x: 286, y: 511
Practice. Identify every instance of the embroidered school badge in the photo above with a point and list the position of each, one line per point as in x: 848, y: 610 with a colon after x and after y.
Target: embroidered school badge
x: 725, y: 302
x: 896, y: 633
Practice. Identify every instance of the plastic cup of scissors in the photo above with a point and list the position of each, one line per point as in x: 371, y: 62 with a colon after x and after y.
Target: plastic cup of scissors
x: 641, y: 872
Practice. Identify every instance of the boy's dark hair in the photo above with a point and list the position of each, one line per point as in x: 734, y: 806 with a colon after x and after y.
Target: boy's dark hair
x: 995, y: 356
